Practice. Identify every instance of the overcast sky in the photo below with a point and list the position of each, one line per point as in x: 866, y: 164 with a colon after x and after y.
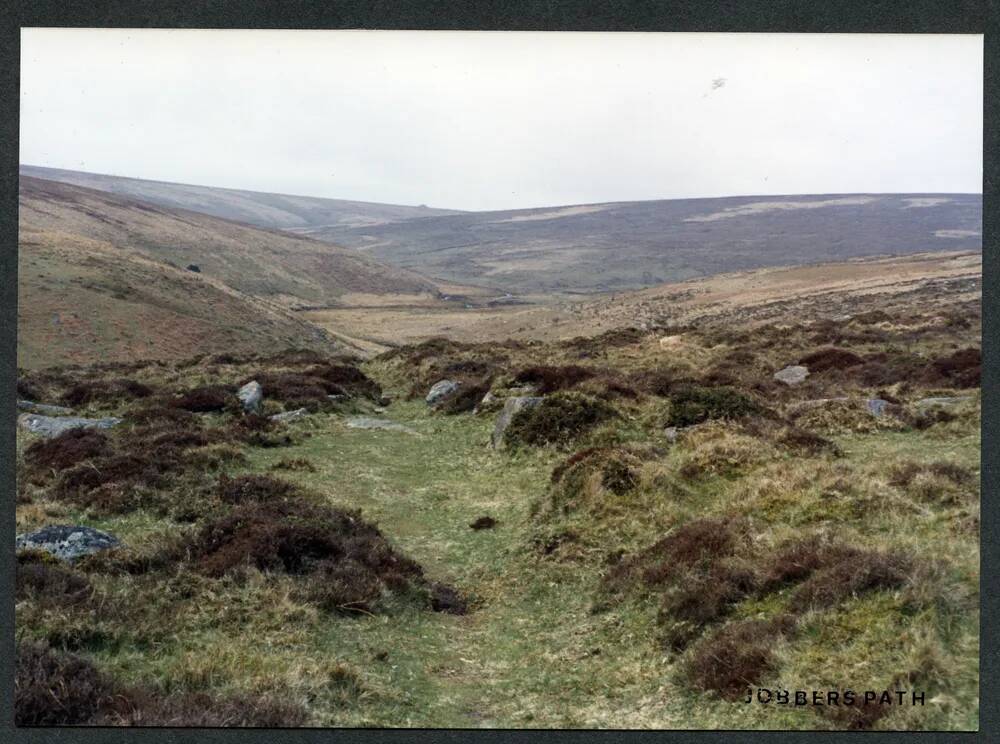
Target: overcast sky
x: 505, y: 120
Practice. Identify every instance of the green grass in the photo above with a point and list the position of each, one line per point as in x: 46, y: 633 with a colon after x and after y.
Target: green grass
x: 534, y: 652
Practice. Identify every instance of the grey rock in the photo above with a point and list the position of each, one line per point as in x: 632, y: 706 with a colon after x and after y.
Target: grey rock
x: 441, y: 390
x: 792, y: 375
x: 338, y: 397
x: 365, y: 422
x: 49, y: 426
x: 876, y: 406
x: 671, y: 433
x: 67, y: 542
x: 925, y: 403
x: 250, y: 396
x: 43, y: 408
x: 511, y: 407
x: 289, y: 415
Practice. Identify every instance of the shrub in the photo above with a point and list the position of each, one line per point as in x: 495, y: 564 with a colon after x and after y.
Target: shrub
x: 465, y: 399
x: 734, y: 658
x: 64, y: 451
x: 963, y: 369
x: 850, y: 575
x: 552, y: 379
x: 206, y: 398
x: 702, y: 595
x: 691, y: 405
x: 254, y: 488
x: 53, y: 689
x: 40, y: 579
x: 699, y: 543
x: 347, y: 380
x: 104, y: 391
x: 483, y: 523
x: 557, y: 420
x: 58, y: 689
x: 830, y: 358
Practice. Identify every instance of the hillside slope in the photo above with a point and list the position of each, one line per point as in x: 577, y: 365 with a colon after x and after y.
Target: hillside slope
x: 82, y: 301
x: 278, y: 211
x: 264, y: 263
x: 628, y: 245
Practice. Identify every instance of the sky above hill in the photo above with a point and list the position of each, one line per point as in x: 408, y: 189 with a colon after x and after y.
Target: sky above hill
x: 505, y: 120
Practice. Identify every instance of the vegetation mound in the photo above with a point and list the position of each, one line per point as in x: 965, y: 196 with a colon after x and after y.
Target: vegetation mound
x: 559, y: 419
x: 59, y: 689
x: 691, y: 404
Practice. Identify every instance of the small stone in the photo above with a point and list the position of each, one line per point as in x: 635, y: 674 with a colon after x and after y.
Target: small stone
x: 792, y: 375
x: 250, y: 396
x: 441, y: 390
x: 671, y: 433
x: 67, y: 542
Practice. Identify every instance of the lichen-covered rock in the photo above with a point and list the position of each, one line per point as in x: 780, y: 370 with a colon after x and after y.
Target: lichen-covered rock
x: 441, y: 390
x: 250, y: 396
x: 67, y: 542
x: 53, y: 426
x: 792, y: 375
x: 941, y: 401
x: 510, y: 408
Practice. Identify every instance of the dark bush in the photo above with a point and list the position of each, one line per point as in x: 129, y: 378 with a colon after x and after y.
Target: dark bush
x: 852, y: 575
x: 347, y: 380
x: 40, y: 579
x: 465, y: 399
x: 484, y: 523
x: 803, y: 440
x: 66, y: 450
x: 735, y: 658
x: 701, y: 596
x: 104, y: 391
x: 194, y: 267
x: 902, y: 475
x: 552, y: 379
x: 830, y: 358
x: 28, y: 390
x: 244, y: 489
x: 691, y: 405
x: 557, y: 420
x: 206, y: 399
x: 699, y: 543
x: 53, y: 689
x: 446, y: 599
x: 59, y: 689
x: 297, y: 463
x: 963, y: 369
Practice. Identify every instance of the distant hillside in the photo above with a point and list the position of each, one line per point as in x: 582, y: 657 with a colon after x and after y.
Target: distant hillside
x: 279, y: 211
x: 276, y: 265
x: 629, y: 245
x: 82, y: 301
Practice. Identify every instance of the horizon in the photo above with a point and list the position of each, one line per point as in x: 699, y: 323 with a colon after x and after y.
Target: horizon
x: 511, y: 209
x: 497, y: 121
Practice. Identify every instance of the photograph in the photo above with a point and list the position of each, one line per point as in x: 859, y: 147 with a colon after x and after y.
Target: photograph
x: 418, y: 379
